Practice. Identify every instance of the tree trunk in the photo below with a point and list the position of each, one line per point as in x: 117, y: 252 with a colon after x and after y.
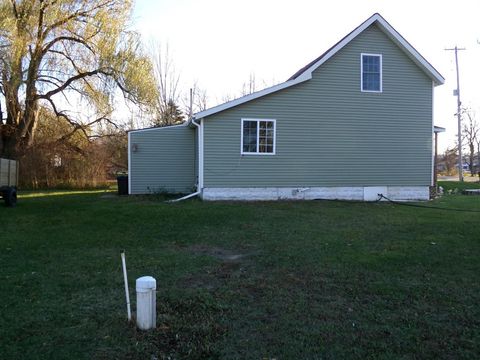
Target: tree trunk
x: 472, y: 157
x: 478, y: 160
x: 8, y: 143
x: 16, y: 136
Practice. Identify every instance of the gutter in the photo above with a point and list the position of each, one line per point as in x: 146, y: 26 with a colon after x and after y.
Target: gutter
x: 200, y: 152
x: 200, y: 162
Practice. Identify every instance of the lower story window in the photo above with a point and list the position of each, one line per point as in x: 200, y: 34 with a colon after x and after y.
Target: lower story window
x: 258, y: 136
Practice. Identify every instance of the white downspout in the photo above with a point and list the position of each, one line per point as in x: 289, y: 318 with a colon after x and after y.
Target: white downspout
x: 200, y: 153
x: 200, y: 163
x: 185, y: 197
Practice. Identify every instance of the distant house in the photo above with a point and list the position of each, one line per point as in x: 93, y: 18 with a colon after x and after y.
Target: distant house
x: 353, y: 123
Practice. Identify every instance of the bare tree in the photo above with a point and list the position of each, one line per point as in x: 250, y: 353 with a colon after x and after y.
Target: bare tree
x: 249, y: 86
x: 200, y: 98
x: 226, y: 98
x: 449, y: 159
x: 198, y: 101
x: 168, y: 81
x: 471, y: 136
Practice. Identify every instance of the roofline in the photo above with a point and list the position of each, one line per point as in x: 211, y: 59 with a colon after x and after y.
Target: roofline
x: 305, y: 73
x: 249, y: 97
x: 389, y: 31
x: 185, y: 123
x: 428, y: 68
x: 438, y: 129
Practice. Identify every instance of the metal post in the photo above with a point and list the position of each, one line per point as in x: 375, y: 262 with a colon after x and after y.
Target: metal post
x: 190, y: 110
x: 459, y: 117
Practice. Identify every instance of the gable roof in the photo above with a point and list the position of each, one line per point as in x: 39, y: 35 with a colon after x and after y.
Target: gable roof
x: 398, y: 39
x: 305, y: 73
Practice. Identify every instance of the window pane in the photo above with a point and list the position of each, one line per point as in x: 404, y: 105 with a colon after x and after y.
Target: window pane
x: 249, y: 136
x: 266, y: 137
x: 371, y: 72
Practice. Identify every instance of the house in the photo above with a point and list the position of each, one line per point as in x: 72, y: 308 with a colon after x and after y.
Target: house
x: 353, y: 123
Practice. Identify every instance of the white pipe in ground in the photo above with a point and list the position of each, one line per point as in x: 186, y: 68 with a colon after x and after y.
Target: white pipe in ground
x: 146, y: 287
x: 127, y: 295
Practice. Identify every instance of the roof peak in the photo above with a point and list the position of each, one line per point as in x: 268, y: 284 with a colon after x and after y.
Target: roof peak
x: 390, y: 32
x: 305, y: 73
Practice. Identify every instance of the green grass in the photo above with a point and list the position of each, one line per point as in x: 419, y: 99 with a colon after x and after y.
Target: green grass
x: 316, y: 280
x: 456, y: 186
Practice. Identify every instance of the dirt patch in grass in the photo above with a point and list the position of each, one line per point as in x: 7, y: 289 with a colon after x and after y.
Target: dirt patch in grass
x: 224, y: 255
x: 234, y: 264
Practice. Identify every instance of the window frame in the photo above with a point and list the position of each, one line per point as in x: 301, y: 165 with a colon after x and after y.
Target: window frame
x: 381, y: 72
x: 258, y: 120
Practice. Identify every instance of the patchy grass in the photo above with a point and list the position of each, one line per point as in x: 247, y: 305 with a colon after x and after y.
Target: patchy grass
x: 320, y: 279
x: 457, y: 186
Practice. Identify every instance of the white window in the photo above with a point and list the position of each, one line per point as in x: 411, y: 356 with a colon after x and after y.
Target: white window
x: 258, y: 137
x: 371, y: 70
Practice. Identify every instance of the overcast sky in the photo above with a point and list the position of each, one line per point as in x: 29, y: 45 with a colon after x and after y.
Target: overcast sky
x: 219, y: 43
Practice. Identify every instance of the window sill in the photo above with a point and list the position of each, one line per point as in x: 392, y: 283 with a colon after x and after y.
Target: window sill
x: 257, y: 154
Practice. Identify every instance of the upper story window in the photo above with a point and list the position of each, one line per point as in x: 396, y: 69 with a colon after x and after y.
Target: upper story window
x: 371, y: 72
x: 258, y: 136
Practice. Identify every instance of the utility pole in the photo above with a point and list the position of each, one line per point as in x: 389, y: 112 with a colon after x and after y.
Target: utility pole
x: 459, y: 115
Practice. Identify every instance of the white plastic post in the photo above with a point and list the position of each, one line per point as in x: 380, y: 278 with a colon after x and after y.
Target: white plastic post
x: 146, y: 303
x: 127, y: 296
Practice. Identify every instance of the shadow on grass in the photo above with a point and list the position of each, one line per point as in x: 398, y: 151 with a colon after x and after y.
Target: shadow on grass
x: 103, y: 194
x: 46, y: 193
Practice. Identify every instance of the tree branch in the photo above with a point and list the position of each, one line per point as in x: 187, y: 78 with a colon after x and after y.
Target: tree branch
x: 67, y: 83
x: 67, y: 38
x: 79, y: 127
x: 73, y: 16
x: 14, y: 8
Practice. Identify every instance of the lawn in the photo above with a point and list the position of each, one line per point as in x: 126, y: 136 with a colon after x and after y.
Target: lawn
x: 264, y: 280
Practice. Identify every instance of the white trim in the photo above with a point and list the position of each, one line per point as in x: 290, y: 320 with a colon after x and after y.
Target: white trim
x: 433, y: 136
x: 129, y: 164
x: 307, y: 74
x: 359, y: 193
x: 186, y: 123
x: 199, y: 127
x: 200, y: 156
x: 258, y: 120
x: 381, y: 73
x: 249, y: 97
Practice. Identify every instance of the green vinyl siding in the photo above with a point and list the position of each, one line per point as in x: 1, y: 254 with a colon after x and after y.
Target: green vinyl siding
x: 164, y: 160
x: 329, y: 132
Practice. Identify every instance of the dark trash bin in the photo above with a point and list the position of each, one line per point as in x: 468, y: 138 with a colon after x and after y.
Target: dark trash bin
x: 122, y: 182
